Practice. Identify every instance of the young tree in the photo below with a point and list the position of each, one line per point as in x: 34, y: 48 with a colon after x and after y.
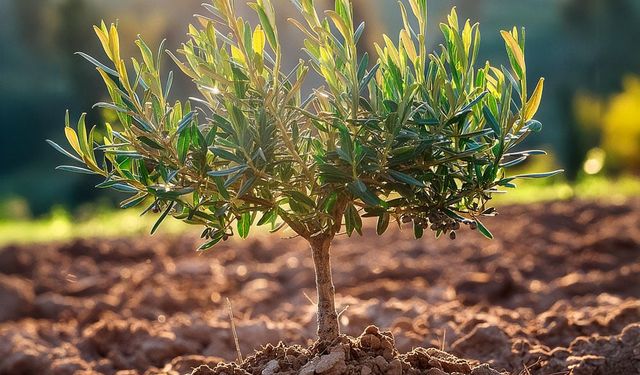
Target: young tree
x: 416, y: 137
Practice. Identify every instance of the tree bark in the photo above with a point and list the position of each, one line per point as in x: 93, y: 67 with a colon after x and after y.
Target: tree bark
x: 328, y: 327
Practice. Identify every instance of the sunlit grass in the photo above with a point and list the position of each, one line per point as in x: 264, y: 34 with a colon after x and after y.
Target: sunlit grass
x: 61, y: 226
x: 591, y: 187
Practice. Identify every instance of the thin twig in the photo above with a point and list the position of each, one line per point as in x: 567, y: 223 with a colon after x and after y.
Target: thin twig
x: 233, y: 330
x: 309, y: 298
x: 343, y: 311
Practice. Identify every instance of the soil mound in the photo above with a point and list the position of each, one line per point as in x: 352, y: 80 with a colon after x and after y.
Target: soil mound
x: 557, y: 292
x: 374, y: 352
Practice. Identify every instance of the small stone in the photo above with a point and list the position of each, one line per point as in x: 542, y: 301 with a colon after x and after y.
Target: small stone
x: 271, y: 368
x: 309, y: 368
x: 365, y: 371
x: 17, y: 298
x: 330, y: 362
x: 435, y: 371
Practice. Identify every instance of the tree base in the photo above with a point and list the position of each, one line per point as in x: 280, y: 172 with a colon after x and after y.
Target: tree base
x: 372, y: 353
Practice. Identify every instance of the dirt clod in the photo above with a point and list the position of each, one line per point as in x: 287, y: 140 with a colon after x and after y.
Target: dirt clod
x: 16, y: 296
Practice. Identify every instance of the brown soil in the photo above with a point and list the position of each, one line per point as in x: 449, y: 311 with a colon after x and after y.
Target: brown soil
x: 558, y: 292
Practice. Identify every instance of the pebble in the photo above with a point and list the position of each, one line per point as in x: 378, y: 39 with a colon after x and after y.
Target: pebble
x: 330, y: 361
x: 271, y: 368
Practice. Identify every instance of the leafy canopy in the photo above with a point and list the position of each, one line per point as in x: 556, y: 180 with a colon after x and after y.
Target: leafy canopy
x: 408, y: 135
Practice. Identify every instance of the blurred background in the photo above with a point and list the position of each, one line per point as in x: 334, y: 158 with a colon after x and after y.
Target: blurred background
x: 587, y: 50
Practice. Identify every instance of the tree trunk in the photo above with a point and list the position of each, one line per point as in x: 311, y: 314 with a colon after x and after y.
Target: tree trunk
x: 328, y: 328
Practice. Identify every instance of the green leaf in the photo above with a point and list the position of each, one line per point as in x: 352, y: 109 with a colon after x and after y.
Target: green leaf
x: 362, y: 67
x: 147, y: 55
x: 162, y: 217
x: 124, y: 154
x: 124, y: 188
x: 84, y: 140
x: 491, y: 121
x: 361, y: 191
x: 474, y: 102
x: 63, y: 151
x: 391, y: 105
x: 169, y: 84
x: 383, y: 223
x: 482, y: 229
x: 516, y: 54
x: 418, y: 230
x: 246, y: 186
x: 514, y: 162
x: 339, y: 23
x: 356, y: 37
x: 111, y: 106
x: 539, y: 175
x: 346, y: 143
x: 534, y: 102
x: 527, y: 153
x: 184, y: 142
x: 107, y: 184
x: 244, y: 224
x: 266, y: 25
x: 278, y: 227
x: 352, y: 220
x: 224, y: 154
x: 258, y: 41
x: 367, y: 78
x: 219, y: 181
x: 227, y: 172
x: 342, y: 8
x: 186, y: 121
x: 134, y: 201
x: 300, y: 198
x: 268, y: 217
x: 453, y: 215
x: 234, y: 178
x: 331, y: 174
x: 150, y: 142
x: 74, y: 169
x: 402, y: 177
x: 98, y: 64
x: 142, y: 123
x: 512, y: 81
x: 211, y: 243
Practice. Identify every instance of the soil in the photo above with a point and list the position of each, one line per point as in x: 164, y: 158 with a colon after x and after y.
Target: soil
x: 557, y: 292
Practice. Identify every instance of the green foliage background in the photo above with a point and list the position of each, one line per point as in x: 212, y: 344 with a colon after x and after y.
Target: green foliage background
x: 578, y: 45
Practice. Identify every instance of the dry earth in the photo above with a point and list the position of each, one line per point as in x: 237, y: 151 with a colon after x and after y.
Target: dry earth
x: 558, y: 292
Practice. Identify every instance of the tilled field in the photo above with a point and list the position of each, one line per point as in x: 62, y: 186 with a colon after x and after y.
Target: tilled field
x: 558, y: 292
